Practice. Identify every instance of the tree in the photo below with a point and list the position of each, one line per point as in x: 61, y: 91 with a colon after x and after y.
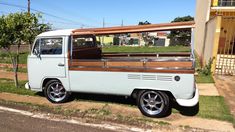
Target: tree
x: 145, y: 35
x: 183, y: 36
x: 15, y: 29
x: 34, y: 28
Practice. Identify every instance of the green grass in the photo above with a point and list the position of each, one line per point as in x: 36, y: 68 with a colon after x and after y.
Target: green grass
x: 214, y: 107
x: 145, y: 49
x: 4, y: 58
x: 201, y: 78
x: 7, y: 85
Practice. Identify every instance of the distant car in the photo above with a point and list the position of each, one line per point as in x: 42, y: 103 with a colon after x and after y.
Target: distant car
x: 76, y: 64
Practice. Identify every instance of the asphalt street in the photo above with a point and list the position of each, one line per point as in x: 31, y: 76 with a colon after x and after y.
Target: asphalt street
x: 14, y: 122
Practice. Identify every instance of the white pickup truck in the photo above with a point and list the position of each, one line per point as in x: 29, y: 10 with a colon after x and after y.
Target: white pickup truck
x: 66, y: 61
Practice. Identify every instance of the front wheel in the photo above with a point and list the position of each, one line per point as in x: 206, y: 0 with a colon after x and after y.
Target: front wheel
x: 153, y: 103
x: 55, y: 92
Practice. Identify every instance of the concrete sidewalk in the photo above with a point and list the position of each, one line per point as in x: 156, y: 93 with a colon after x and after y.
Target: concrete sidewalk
x: 226, y: 88
x: 207, y: 89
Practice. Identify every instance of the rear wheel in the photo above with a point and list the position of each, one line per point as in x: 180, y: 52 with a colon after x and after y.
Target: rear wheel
x: 55, y: 92
x: 153, y: 103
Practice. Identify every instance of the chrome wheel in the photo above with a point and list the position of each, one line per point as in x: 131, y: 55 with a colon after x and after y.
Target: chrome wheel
x: 152, y: 102
x: 56, y: 91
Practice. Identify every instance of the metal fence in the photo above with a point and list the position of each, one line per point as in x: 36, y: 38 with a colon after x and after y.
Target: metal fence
x: 225, y: 63
x: 220, y: 3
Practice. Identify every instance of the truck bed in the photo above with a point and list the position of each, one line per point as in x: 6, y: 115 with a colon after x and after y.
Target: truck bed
x: 137, y: 62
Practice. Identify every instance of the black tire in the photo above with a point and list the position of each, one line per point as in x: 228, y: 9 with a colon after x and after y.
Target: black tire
x: 55, y: 92
x: 153, y: 103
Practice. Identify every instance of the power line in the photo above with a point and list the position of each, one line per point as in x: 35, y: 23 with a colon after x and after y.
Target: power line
x: 48, y: 14
x: 49, y: 21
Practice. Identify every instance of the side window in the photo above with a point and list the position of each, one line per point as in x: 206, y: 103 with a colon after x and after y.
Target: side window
x: 48, y: 46
x: 83, y: 42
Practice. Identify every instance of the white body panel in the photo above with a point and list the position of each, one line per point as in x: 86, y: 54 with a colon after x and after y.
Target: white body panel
x: 123, y: 83
x: 47, y: 66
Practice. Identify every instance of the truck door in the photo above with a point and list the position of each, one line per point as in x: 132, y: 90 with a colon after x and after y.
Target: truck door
x: 47, y: 60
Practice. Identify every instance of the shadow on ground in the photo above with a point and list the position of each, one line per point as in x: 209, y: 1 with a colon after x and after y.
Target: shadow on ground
x: 186, y: 111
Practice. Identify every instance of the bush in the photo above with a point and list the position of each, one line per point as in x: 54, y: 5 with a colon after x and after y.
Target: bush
x: 206, y: 70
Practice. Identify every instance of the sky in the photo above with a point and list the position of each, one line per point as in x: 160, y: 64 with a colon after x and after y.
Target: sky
x: 94, y: 13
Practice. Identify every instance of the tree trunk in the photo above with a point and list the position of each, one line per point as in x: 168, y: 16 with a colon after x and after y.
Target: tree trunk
x: 15, y: 69
x: 15, y: 62
x: 16, y: 79
x: 29, y: 47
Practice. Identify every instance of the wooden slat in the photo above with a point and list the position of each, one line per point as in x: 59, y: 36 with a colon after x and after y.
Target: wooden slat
x: 129, y: 64
x: 180, y: 54
x: 101, y: 64
x: 169, y: 64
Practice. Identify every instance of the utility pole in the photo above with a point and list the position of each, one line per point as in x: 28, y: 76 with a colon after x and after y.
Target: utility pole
x: 29, y: 15
x: 103, y: 23
x: 122, y: 23
x: 103, y: 36
x: 29, y: 7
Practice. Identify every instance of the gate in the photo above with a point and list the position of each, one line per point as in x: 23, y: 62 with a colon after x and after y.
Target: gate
x: 225, y: 62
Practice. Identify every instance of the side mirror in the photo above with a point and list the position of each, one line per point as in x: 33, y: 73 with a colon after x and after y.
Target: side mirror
x: 37, y: 53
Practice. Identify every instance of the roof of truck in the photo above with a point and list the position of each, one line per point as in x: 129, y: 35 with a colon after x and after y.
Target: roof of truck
x: 135, y: 28
x: 122, y: 29
x: 56, y: 33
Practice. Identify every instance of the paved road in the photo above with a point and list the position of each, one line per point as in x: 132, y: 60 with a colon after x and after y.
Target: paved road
x: 13, y: 122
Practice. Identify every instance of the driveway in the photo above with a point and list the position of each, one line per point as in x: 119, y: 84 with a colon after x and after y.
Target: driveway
x: 226, y: 88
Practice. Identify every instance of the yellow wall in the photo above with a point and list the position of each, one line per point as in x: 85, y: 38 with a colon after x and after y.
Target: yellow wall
x: 215, y: 2
x: 105, y: 39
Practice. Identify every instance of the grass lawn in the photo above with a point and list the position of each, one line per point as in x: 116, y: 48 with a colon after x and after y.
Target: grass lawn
x: 214, y: 107
x: 145, y: 49
x: 7, y: 85
x: 200, y: 78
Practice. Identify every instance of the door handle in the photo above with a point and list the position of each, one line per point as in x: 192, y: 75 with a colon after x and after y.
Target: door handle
x: 60, y: 64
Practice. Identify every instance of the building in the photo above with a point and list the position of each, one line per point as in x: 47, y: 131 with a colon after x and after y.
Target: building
x: 158, y: 39
x: 215, y: 34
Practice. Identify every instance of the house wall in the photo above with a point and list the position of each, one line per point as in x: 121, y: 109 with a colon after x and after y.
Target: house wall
x: 201, y: 17
x: 213, y: 28
x: 105, y: 40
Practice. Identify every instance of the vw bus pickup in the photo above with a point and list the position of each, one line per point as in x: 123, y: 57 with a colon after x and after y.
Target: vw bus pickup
x: 66, y: 61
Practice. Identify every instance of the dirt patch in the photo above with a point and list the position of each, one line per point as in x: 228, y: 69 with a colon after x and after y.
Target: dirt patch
x: 10, y: 75
x: 124, y: 110
x: 10, y: 65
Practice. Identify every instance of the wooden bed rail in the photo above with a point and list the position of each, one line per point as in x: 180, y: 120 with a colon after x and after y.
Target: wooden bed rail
x: 134, y: 65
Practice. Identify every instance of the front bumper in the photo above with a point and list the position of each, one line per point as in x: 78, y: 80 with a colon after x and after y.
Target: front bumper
x: 27, y: 86
x: 189, y: 102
